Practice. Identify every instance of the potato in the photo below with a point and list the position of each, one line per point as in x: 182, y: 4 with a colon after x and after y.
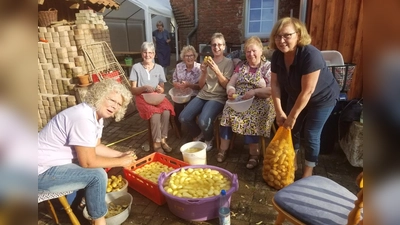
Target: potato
x: 152, y: 171
x: 207, y: 59
x: 114, y: 209
x: 196, y: 183
x: 278, y: 169
x: 115, y: 183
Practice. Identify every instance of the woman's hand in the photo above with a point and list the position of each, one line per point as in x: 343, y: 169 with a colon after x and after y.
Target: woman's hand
x: 129, y: 153
x: 203, y: 67
x: 181, y: 85
x: 148, y: 89
x: 289, y: 122
x: 178, y: 85
x: 249, y: 94
x: 280, y: 118
x: 213, y: 66
x: 159, y: 89
x: 127, y: 160
x: 185, y: 84
x: 231, y: 94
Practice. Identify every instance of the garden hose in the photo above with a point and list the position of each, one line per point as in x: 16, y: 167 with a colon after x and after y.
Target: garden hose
x: 126, y: 138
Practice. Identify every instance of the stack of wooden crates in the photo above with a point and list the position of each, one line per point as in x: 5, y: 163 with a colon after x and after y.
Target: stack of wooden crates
x: 61, y: 60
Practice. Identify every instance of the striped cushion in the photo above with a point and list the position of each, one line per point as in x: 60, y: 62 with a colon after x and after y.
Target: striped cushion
x: 50, y: 195
x: 316, y: 200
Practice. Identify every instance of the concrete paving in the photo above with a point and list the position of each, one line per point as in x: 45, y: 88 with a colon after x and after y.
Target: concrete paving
x: 251, y: 204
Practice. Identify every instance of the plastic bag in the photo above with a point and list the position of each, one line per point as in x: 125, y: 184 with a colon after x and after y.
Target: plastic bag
x: 278, y: 164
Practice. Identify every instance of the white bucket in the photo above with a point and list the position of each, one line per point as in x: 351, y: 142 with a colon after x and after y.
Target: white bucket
x: 195, y: 158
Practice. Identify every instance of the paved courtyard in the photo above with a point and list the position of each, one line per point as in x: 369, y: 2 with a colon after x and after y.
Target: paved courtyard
x: 250, y: 205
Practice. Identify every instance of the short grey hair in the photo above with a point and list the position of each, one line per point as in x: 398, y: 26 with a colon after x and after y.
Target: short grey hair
x: 97, y: 94
x: 160, y: 23
x: 186, y: 49
x: 148, y: 46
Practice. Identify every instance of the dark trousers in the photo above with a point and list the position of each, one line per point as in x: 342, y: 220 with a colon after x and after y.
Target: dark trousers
x: 311, y: 121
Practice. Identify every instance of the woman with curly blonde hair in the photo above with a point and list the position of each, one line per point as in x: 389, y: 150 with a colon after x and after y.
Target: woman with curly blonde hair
x: 70, y: 153
x: 99, y: 92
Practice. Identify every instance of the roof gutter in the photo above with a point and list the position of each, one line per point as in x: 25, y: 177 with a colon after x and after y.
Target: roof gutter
x: 196, y: 23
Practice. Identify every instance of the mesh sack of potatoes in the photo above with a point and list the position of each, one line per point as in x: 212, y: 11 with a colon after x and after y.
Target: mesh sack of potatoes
x: 278, y: 164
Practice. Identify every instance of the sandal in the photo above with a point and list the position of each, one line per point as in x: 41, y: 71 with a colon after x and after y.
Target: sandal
x: 159, y: 150
x: 221, y: 156
x: 253, y: 161
x: 166, y: 147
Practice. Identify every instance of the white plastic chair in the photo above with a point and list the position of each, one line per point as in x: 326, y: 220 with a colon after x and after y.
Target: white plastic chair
x: 332, y: 58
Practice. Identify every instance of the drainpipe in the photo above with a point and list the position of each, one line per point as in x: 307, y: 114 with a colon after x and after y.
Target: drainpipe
x: 176, y: 43
x: 303, y: 11
x: 196, y: 23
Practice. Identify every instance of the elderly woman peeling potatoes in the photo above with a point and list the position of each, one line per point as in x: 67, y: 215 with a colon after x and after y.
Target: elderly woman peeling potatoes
x: 250, y: 78
x: 148, y: 77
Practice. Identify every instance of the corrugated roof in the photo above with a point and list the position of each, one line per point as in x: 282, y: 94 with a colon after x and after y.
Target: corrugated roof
x: 106, y: 3
x: 96, y: 3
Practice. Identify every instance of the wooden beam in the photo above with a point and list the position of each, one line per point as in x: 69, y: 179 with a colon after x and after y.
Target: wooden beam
x: 349, y: 28
x: 357, y: 87
x: 317, y: 22
x: 333, y: 21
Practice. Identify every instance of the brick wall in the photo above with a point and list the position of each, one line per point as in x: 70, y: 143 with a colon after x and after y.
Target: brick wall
x: 225, y: 16
x: 286, y: 5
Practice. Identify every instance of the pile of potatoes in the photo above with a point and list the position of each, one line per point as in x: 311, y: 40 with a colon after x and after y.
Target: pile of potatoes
x: 152, y: 171
x: 196, y: 183
x: 115, y: 183
x: 278, y: 165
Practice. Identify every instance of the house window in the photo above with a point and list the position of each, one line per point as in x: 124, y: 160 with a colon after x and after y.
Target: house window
x: 261, y: 16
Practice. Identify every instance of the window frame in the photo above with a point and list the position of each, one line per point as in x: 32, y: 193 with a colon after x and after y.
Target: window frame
x: 247, y: 18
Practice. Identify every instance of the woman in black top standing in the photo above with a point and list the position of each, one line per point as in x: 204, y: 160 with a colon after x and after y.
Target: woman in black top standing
x: 299, y: 71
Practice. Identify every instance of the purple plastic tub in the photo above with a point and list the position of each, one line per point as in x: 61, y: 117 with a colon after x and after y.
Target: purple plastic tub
x: 200, y: 209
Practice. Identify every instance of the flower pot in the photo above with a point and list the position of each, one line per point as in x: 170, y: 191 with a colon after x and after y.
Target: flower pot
x: 84, y: 79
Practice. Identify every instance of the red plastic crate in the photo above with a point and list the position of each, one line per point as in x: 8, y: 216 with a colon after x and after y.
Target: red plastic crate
x: 146, y: 187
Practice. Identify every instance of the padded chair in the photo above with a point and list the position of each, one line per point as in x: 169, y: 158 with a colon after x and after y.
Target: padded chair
x: 318, y: 200
x: 173, y: 125
x: 47, y: 196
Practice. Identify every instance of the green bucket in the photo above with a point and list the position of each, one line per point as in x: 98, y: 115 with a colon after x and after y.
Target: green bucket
x: 128, y: 61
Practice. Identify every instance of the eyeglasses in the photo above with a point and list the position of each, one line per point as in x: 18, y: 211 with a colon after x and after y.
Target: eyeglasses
x: 189, y: 56
x: 215, y: 45
x: 112, y: 101
x: 284, y: 36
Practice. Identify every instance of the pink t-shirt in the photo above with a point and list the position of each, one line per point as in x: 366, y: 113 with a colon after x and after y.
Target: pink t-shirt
x: 76, y: 125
